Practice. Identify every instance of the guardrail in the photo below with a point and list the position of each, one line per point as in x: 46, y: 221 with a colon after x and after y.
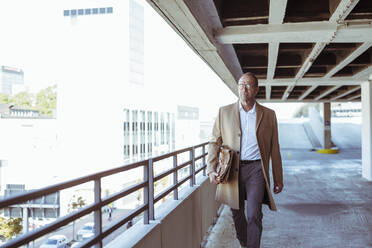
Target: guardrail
x: 147, y: 185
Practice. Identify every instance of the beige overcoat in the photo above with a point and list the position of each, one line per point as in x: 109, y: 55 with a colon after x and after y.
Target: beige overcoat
x: 227, y: 131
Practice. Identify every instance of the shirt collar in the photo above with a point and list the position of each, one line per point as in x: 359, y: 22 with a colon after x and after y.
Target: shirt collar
x: 252, y: 111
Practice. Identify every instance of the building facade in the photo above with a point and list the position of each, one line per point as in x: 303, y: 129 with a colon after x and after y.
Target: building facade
x: 10, y: 77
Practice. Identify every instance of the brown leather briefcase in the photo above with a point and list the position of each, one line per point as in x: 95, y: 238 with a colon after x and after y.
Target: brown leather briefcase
x: 225, y: 158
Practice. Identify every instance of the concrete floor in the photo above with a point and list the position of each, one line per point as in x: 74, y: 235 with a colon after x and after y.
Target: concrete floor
x: 325, y: 203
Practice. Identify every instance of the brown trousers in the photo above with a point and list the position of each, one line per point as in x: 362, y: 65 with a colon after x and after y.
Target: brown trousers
x: 248, y: 225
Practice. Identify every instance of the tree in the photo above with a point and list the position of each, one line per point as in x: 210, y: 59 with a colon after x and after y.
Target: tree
x: 23, y: 99
x: 46, y: 100
x: 10, y: 227
x: 4, y: 98
x: 75, y: 203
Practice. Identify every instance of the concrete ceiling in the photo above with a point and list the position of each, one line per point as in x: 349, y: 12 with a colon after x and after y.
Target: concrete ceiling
x: 308, y: 50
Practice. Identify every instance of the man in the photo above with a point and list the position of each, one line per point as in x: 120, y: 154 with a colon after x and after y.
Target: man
x: 251, y: 131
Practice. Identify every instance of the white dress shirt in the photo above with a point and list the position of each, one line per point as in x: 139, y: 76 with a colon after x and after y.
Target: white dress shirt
x: 249, y: 146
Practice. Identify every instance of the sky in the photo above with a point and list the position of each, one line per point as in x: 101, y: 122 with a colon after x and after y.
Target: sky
x: 37, y: 42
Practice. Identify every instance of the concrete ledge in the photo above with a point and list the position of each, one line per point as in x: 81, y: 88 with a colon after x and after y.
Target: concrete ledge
x: 179, y: 223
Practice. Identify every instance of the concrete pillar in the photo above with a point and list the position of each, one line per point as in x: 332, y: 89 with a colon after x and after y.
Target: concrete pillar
x: 25, y: 220
x: 367, y: 130
x: 327, y: 125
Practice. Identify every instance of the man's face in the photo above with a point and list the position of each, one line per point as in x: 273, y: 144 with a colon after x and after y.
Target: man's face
x: 247, y: 89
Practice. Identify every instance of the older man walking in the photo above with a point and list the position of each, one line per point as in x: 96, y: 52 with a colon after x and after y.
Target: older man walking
x: 251, y: 131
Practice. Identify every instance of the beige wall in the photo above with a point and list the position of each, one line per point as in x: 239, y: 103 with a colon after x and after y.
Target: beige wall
x: 186, y: 224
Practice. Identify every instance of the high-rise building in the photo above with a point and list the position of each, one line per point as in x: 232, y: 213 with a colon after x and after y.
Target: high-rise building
x: 141, y: 129
x: 9, y: 77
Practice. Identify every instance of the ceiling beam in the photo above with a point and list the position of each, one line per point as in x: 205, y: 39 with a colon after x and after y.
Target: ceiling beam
x: 273, y: 57
x: 287, y: 92
x: 287, y: 32
x: 246, y: 18
x: 307, y: 92
x: 361, y: 49
x: 354, y: 97
x: 276, y: 16
x: 344, y: 93
x: 268, y: 92
x: 343, y: 9
x: 306, y: 32
x: 311, y: 81
x: 365, y: 74
x: 326, y: 92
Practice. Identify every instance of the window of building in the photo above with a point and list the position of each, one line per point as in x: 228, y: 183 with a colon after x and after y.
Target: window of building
x: 66, y: 12
x: 95, y: 11
x: 80, y: 12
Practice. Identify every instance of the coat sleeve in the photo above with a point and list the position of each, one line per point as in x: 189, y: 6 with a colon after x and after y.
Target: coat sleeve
x: 214, y: 144
x: 276, y: 159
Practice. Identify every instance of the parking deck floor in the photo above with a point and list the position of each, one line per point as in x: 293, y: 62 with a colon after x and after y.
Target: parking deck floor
x: 325, y: 203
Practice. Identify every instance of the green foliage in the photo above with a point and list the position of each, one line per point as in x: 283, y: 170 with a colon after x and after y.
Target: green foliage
x: 23, y: 99
x: 76, y: 202
x: 4, y: 98
x: 46, y: 100
x: 10, y: 227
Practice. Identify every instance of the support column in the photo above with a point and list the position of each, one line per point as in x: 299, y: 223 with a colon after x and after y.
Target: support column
x: 327, y: 125
x: 25, y: 220
x: 367, y: 130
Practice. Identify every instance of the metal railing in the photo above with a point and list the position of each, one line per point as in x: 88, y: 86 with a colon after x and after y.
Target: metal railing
x: 147, y: 185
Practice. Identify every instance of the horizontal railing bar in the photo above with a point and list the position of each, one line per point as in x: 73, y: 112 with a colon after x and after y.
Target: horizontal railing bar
x: 184, y: 164
x: 114, y: 226
x: 123, y: 193
x: 171, y: 154
x: 34, y: 194
x: 29, y: 195
x: 201, y: 156
x: 30, y: 236
x: 167, y: 191
x: 24, y: 239
x: 165, y: 173
x: 200, y: 169
x: 202, y: 144
x: 169, y: 171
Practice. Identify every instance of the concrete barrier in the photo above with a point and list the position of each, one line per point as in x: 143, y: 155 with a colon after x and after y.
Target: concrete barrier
x: 179, y: 223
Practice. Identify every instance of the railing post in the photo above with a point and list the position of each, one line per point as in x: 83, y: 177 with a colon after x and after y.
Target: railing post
x: 146, y: 193
x: 203, y: 152
x: 151, y: 190
x: 98, y: 212
x: 175, y: 178
x: 192, y: 167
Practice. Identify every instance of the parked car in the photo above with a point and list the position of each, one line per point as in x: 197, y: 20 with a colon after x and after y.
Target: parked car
x: 83, y: 238
x: 55, y: 241
x: 87, y: 228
